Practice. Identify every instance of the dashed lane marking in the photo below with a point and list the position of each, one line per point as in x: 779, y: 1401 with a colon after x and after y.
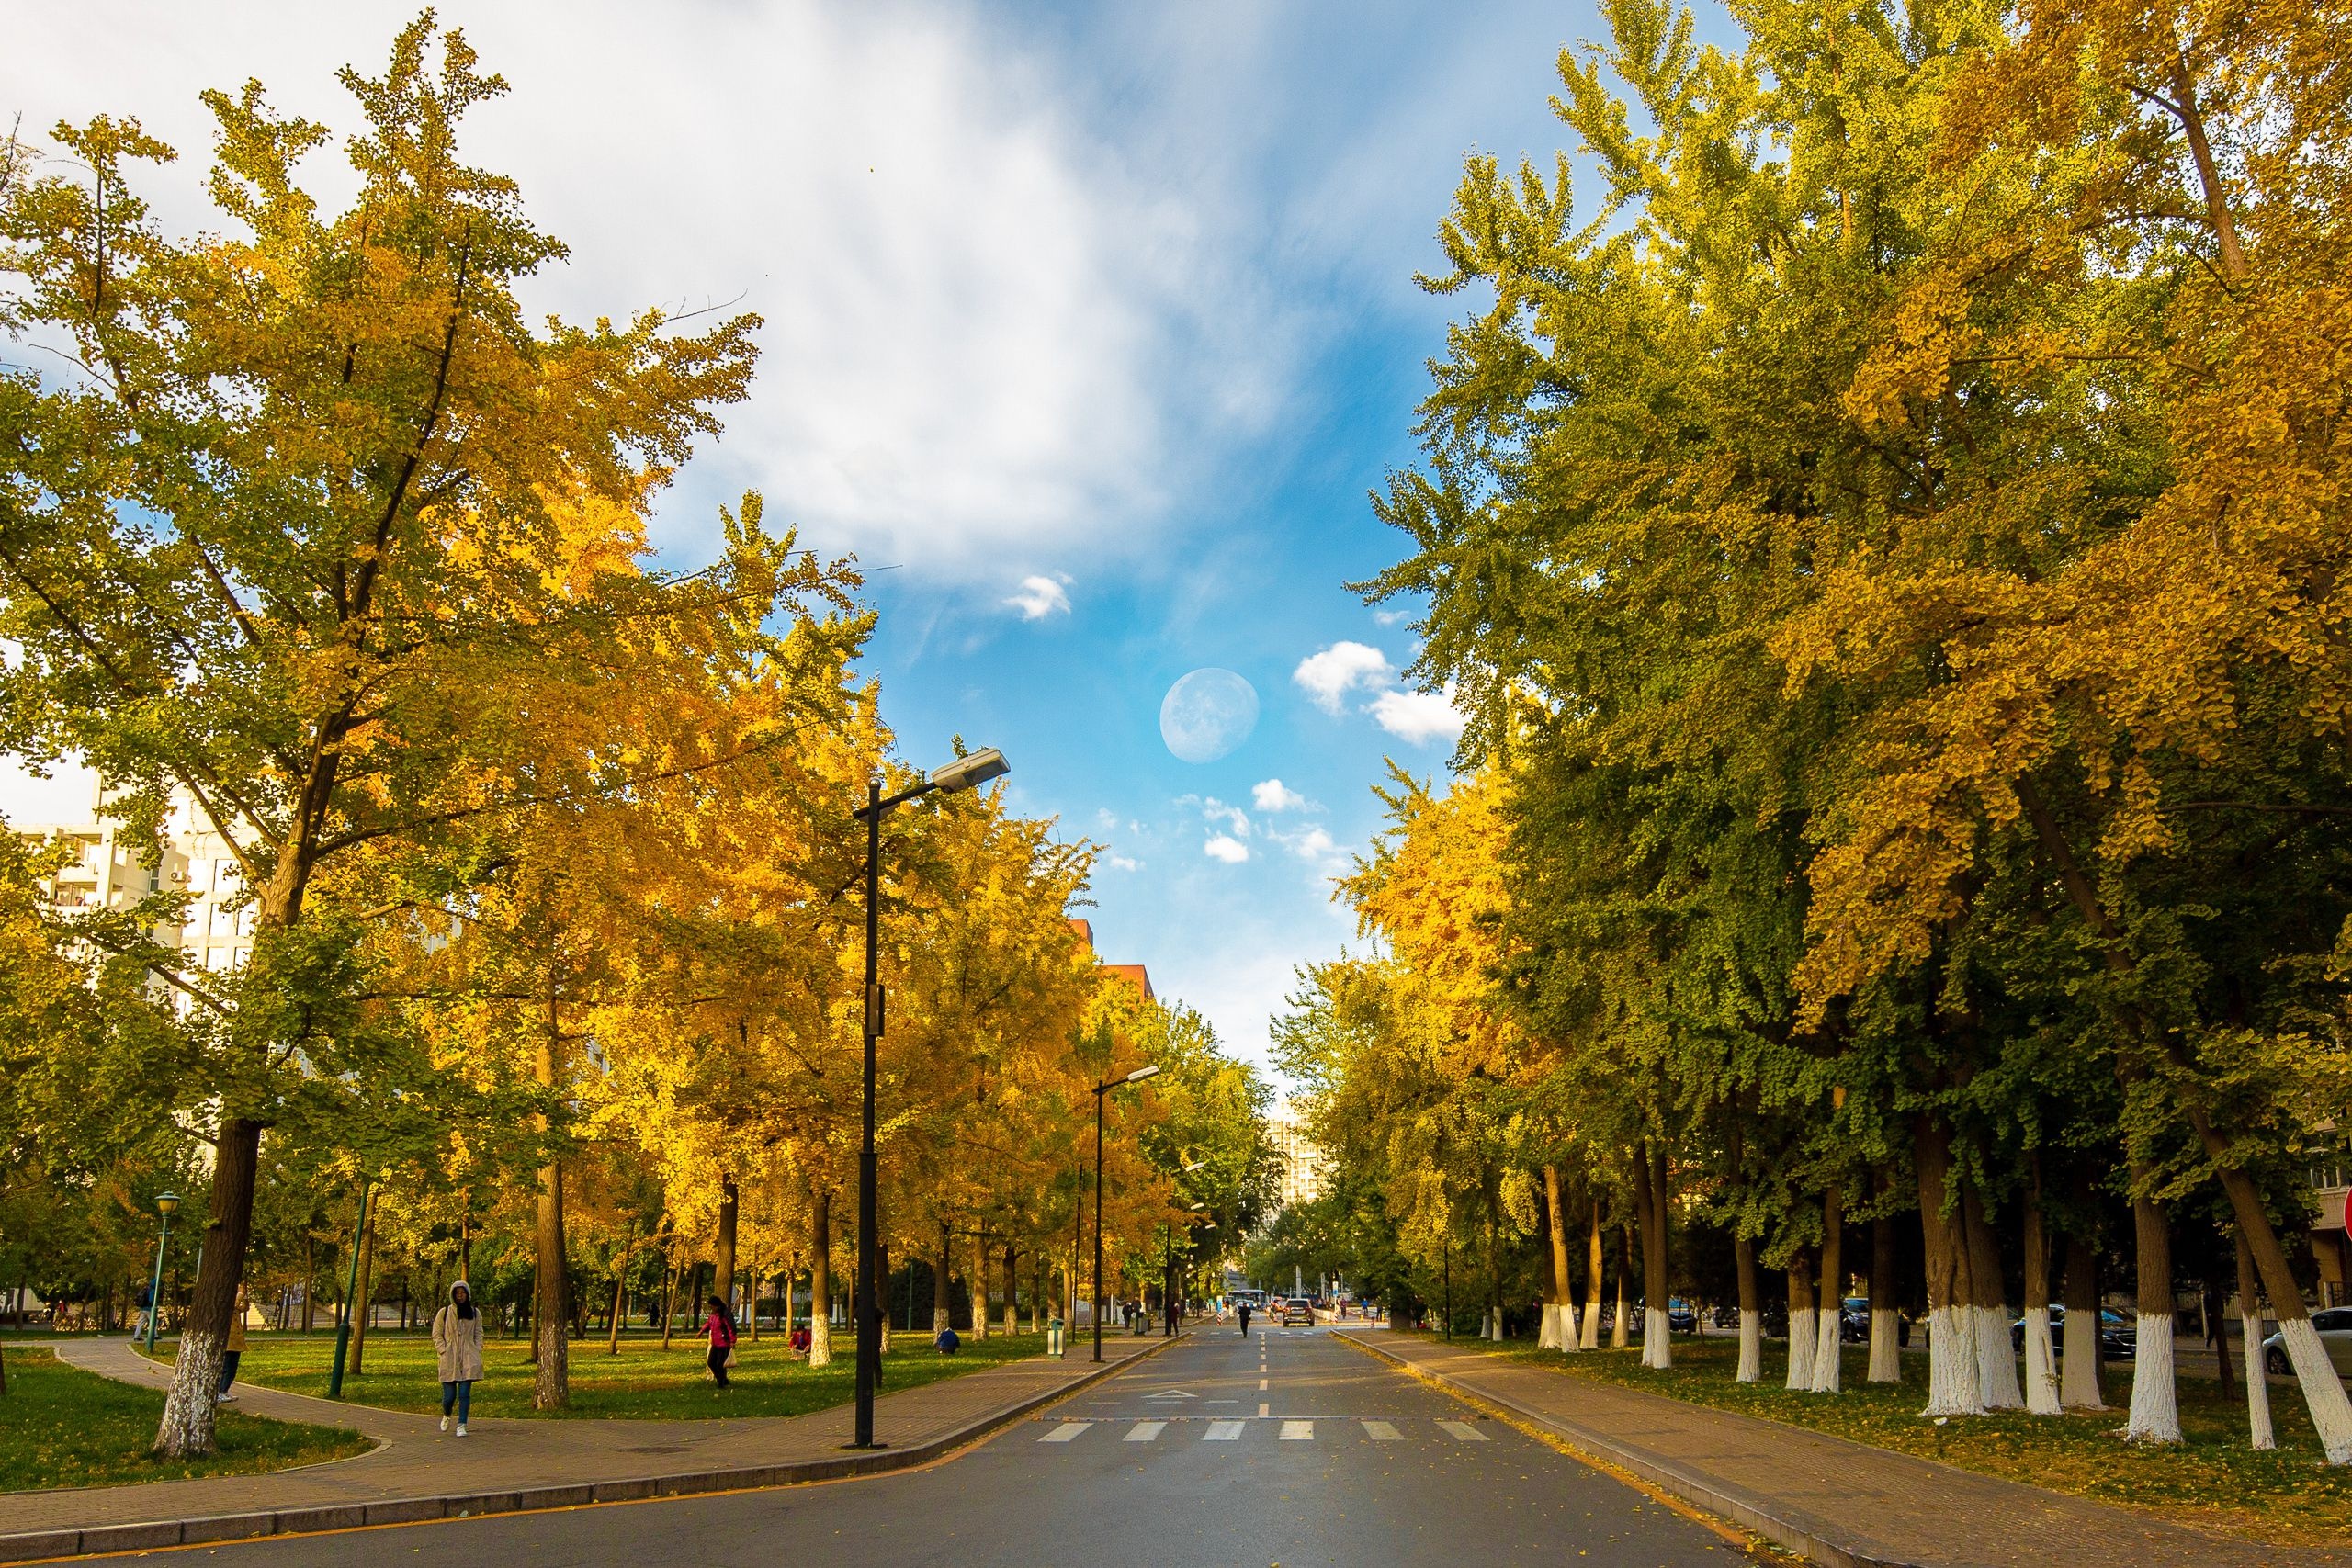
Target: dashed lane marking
x: 1463, y: 1431
x: 1066, y: 1431
x: 1263, y: 1410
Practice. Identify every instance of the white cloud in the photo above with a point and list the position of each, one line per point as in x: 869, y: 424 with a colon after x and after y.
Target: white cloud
x: 1392, y: 618
x: 1417, y: 717
x: 1313, y: 844
x: 1039, y: 597
x: 1327, y: 677
x: 990, y: 326
x: 1272, y: 795
x: 1121, y: 862
x: 1215, y: 811
x: 1232, y: 852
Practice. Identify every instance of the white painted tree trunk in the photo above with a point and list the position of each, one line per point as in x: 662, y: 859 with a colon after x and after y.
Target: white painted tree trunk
x: 1751, y: 1345
x: 1952, y: 1362
x: 1996, y: 1354
x: 188, y: 1408
x: 1547, y: 1334
x: 2155, y: 1416
x: 2040, y: 1364
x: 2323, y: 1389
x: 1803, y: 1327
x: 1657, y: 1340
x: 1827, y: 1351
x: 2078, y: 1373
x: 1570, y: 1332
x: 1886, y: 1352
x: 2257, y: 1383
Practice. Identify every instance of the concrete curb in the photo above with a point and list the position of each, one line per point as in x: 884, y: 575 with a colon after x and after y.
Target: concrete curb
x: 1744, y: 1508
x: 38, y: 1545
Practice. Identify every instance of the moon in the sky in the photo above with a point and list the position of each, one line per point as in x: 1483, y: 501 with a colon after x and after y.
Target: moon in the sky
x: 1207, y: 714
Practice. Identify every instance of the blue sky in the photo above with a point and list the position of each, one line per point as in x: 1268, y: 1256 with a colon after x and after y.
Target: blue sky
x: 1093, y: 324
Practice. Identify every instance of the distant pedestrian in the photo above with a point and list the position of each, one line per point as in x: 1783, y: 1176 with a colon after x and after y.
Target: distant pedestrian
x: 946, y: 1342
x: 234, y: 1353
x: 457, y: 1353
x: 1245, y: 1320
x: 720, y: 1325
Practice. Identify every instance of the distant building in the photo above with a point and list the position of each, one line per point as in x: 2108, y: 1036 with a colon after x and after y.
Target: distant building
x: 1135, y: 974
x: 217, y: 932
x: 1298, y: 1160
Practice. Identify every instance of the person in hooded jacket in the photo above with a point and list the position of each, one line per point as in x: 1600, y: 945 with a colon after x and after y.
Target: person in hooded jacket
x: 720, y: 1327
x: 457, y: 1348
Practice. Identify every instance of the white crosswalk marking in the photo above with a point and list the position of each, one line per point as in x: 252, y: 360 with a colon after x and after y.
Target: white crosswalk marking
x: 1382, y: 1432
x: 1464, y: 1431
x: 1145, y: 1431
x: 1066, y: 1431
x: 1224, y: 1432
x: 1298, y: 1431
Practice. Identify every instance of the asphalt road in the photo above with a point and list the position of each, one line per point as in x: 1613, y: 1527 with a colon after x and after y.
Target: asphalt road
x: 1291, y: 1449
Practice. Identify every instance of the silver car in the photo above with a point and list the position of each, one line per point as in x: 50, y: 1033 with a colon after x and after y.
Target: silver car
x: 2335, y: 1325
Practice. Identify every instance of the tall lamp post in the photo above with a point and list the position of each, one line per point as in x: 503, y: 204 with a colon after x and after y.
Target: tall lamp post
x: 964, y: 773
x: 343, y: 1318
x: 1168, y: 1271
x: 1100, y: 1090
x: 165, y: 1203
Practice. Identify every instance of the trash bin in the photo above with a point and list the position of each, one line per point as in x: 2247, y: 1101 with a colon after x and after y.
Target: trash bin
x: 1053, y: 1336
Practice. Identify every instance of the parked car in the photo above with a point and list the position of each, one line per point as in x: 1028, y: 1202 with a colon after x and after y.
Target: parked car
x: 1296, y: 1312
x: 2335, y: 1325
x: 1727, y: 1315
x: 2057, y: 1326
x: 1682, y: 1318
x: 1854, y: 1319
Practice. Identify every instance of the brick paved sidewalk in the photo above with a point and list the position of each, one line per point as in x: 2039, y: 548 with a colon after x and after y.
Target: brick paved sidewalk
x: 1836, y: 1501
x: 501, y: 1465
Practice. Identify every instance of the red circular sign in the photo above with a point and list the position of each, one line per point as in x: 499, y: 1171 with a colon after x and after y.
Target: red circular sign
x: 2347, y: 1211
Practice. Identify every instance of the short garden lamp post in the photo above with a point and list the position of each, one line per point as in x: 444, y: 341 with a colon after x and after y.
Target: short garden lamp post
x: 1100, y: 1090
x: 165, y: 1203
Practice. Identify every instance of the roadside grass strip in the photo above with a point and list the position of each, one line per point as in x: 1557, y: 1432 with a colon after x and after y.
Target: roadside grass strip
x: 64, y: 1426
x: 644, y: 1383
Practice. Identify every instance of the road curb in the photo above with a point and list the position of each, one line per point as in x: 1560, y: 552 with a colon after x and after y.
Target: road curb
x: 148, y: 1535
x: 1745, y: 1509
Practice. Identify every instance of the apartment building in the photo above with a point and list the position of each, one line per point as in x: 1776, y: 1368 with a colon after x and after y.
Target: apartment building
x: 1298, y: 1159
x: 106, y: 872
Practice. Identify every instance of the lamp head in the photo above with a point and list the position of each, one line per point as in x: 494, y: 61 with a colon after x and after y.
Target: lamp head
x: 166, y: 1202
x: 1196, y: 1207
x: 970, y: 772
x: 1142, y: 1073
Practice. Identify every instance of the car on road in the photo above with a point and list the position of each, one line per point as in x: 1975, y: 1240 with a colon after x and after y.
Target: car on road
x: 1682, y: 1318
x: 2335, y: 1325
x: 1854, y: 1319
x: 1295, y: 1312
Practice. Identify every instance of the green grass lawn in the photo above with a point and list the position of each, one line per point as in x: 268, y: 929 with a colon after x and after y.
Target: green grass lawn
x: 62, y: 1427
x: 2287, y: 1496
x: 643, y: 1382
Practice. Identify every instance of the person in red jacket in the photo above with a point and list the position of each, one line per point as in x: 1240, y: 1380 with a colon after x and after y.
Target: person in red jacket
x: 720, y: 1325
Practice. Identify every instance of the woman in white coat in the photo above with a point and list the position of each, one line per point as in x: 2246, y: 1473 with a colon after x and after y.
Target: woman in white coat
x: 456, y: 1346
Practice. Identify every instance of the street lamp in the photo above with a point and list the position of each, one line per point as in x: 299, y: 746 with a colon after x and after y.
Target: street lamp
x: 963, y: 774
x: 1168, y: 1270
x: 1100, y: 1090
x: 165, y: 1203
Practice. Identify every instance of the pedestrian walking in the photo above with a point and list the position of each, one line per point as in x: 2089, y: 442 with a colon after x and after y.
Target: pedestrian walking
x: 720, y: 1325
x: 1245, y: 1320
x: 234, y: 1353
x: 457, y: 1353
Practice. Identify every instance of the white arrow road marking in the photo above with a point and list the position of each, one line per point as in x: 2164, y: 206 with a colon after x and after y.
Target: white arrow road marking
x: 1383, y: 1432
x: 1298, y: 1431
x: 1463, y: 1431
x: 1145, y: 1431
x: 1171, y: 1393
x: 1066, y: 1431
x: 1224, y: 1432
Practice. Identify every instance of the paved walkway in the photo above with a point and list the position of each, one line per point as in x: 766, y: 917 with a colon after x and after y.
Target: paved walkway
x: 502, y: 1465
x: 1836, y: 1501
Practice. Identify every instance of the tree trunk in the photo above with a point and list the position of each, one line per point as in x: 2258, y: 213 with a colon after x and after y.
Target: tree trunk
x: 1751, y: 1311
x: 942, y: 1315
x: 820, y: 1279
x: 188, y: 1408
x: 1657, y: 1342
x: 722, y: 1275
x: 1621, y: 1333
x: 310, y: 1275
x: 2078, y: 1380
x: 551, y: 1378
x: 1828, y: 1335
x: 1011, y: 1291
x: 1886, y: 1343
x: 2257, y: 1373
x: 1953, y: 1387
x: 1805, y: 1326
x: 2041, y: 1363
x: 2156, y: 1408
x: 363, y: 1299
x: 1997, y: 1371
x: 1560, y: 1301
x: 2323, y: 1395
x: 669, y: 1298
